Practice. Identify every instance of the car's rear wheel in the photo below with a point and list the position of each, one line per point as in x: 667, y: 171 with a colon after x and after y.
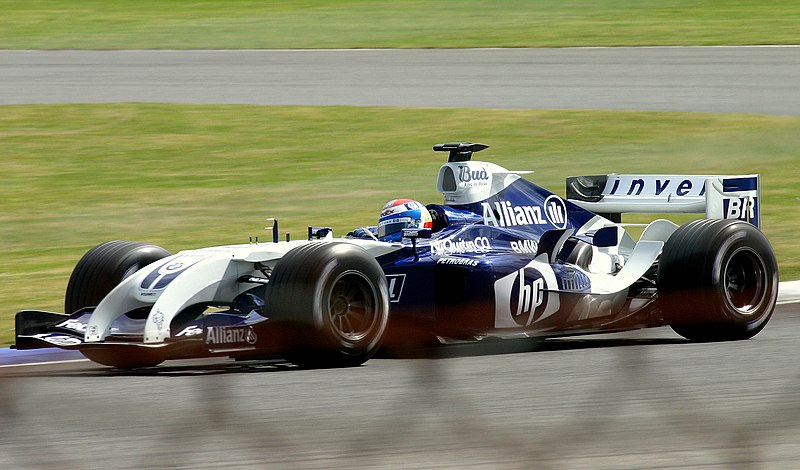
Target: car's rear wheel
x: 335, y: 298
x: 717, y: 280
x: 95, y: 275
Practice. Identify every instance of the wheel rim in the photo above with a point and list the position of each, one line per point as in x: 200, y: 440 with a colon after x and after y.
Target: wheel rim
x: 745, y: 281
x: 352, y: 307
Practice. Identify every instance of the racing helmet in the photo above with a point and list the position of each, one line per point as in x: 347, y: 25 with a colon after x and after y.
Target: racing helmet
x: 398, y: 214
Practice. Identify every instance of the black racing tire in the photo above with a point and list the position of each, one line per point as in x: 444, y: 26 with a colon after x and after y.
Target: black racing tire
x: 335, y: 299
x: 105, y: 266
x: 95, y: 275
x: 717, y: 280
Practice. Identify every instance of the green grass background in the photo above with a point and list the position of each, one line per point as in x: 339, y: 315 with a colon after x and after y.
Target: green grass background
x: 236, y: 24
x: 184, y: 176
x: 72, y: 176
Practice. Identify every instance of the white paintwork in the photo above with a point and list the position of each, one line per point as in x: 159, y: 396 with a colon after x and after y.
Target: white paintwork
x: 635, y: 260
x: 630, y: 205
x: 475, y: 181
x: 606, y: 259
x: 213, y: 279
x: 123, y: 298
x: 671, y: 194
x: 211, y: 276
x: 658, y: 230
x: 644, y: 254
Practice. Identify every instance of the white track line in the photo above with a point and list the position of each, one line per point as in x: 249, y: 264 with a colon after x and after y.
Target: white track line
x: 789, y: 292
x: 43, y: 363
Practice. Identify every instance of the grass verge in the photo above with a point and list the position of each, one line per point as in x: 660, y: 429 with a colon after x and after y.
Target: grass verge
x: 237, y: 24
x: 184, y: 176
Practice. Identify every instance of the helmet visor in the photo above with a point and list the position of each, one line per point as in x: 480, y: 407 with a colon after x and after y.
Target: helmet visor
x: 393, y: 226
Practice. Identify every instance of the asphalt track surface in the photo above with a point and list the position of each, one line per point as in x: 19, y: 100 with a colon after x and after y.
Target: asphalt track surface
x: 644, y: 399
x: 704, y: 79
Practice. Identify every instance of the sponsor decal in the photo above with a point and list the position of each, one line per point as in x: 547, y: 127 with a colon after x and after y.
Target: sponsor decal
x: 667, y: 186
x: 74, y: 325
x: 472, y: 177
x: 396, y: 206
x: 525, y: 247
x: 192, y: 330
x: 505, y: 214
x: 158, y: 320
x: 555, y: 209
x: 460, y: 246
x: 396, y: 283
x: 58, y: 339
x: 526, y: 296
x: 457, y: 261
x: 160, y: 277
x: 231, y: 336
x: 173, y: 266
x: 742, y: 208
x: 407, y: 221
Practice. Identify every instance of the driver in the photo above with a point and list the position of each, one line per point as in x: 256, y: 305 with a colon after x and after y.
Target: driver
x: 396, y: 215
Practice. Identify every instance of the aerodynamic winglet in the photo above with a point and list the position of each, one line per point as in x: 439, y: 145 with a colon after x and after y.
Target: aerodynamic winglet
x: 459, y: 151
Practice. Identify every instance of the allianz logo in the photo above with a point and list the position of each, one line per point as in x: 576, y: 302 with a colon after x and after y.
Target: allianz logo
x: 231, y: 335
x: 450, y: 246
x: 506, y: 214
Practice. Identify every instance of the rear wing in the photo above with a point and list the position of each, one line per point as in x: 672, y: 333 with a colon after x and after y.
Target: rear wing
x: 718, y: 197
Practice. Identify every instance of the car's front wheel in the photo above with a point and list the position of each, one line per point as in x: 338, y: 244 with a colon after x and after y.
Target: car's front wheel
x: 717, y: 280
x: 95, y: 275
x: 105, y: 266
x: 335, y: 298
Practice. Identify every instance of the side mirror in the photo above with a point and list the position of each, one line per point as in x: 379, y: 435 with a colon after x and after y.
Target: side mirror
x: 413, y: 234
x: 319, y: 233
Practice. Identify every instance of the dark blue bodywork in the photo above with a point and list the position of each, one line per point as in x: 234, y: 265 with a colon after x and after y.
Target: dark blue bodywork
x: 450, y: 282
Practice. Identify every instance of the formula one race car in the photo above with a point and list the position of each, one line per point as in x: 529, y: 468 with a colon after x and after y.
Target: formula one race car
x: 500, y: 258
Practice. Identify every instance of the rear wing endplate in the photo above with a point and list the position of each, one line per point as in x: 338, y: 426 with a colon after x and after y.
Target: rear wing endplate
x: 718, y: 197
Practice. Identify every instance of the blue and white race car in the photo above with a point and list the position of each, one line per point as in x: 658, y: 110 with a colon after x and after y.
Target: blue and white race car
x: 500, y: 258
